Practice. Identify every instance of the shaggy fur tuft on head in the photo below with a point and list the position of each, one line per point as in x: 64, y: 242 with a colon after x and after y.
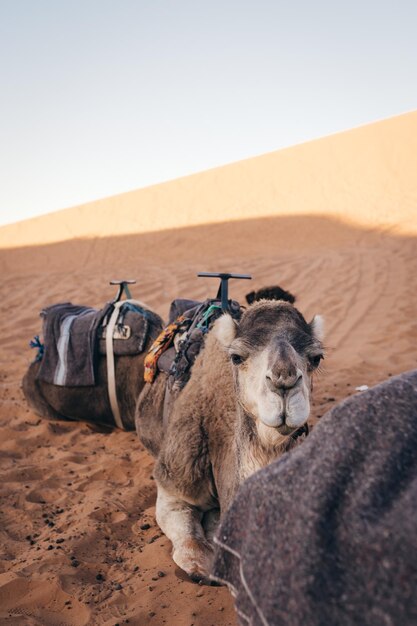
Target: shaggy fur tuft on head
x: 225, y: 330
x: 270, y: 293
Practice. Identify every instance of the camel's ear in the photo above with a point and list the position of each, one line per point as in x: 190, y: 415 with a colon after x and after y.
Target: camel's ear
x: 317, y: 327
x: 225, y: 330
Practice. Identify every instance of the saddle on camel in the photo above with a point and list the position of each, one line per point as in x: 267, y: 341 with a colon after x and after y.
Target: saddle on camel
x: 90, y: 364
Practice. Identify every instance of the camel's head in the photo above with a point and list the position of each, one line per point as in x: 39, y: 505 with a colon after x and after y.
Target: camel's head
x: 273, y: 352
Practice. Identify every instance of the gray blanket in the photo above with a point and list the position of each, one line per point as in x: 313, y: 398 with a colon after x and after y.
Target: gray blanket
x: 327, y: 535
x: 70, y: 338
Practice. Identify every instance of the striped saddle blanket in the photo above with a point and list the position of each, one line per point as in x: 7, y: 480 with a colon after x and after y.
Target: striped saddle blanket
x: 75, y: 337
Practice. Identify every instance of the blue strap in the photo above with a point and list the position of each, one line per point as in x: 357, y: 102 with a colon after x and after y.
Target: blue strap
x: 36, y: 343
x: 205, y: 320
x: 136, y: 308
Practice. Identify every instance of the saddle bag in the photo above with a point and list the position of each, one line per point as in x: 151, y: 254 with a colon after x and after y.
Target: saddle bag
x: 130, y: 333
x: 74, y: 337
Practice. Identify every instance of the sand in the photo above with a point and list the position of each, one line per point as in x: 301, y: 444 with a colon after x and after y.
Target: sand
x: 334, y: 221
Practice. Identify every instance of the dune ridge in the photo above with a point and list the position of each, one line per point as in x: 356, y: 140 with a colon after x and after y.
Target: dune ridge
x: 367, y: 169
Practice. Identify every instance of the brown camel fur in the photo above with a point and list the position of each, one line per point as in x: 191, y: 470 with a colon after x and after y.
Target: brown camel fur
x: 249, y: 391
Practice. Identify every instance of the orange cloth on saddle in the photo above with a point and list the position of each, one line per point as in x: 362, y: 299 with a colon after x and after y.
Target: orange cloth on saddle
x: 161, y: 343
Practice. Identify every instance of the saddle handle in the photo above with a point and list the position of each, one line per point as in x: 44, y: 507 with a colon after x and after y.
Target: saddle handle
x: 123, y: 287
x: 223, y: 291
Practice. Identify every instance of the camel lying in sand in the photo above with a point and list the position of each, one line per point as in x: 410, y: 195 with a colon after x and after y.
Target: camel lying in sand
x: 91, y: 404
x: 249, y: 392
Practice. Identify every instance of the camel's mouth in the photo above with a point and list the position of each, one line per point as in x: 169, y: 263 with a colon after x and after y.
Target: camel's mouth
x: 285, y: 430
x: 278, y: 423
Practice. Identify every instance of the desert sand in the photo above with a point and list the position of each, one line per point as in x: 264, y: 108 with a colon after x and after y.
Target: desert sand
x: 334, y: 221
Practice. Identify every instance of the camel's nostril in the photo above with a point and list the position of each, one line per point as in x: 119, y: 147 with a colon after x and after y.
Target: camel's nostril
x: 282, y: 383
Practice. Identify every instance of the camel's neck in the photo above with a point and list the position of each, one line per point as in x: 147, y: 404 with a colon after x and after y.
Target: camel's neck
x: 257, y: 445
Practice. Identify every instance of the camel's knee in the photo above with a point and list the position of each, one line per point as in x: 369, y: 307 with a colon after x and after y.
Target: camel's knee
x: 176, y: 517
x: 181, y: 523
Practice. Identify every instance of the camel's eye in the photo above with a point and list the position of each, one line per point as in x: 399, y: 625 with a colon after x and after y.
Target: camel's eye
x: 315, y: 360
x: 236, y: 359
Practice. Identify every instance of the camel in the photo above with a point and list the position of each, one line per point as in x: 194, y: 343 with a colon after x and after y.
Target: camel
x: 247, y: 397
x: 91, y: 404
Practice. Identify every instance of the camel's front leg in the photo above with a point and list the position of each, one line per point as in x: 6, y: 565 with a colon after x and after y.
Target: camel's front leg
x: 181, y: 523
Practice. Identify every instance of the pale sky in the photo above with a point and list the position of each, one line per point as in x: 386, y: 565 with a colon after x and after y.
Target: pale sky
x: 99, y: 97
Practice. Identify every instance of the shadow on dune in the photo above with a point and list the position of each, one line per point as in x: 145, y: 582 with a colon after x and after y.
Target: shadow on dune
x: 207, y: 244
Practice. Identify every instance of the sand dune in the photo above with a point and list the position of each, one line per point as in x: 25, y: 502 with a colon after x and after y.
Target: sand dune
x: 358, y: 176
x: 334, y: 221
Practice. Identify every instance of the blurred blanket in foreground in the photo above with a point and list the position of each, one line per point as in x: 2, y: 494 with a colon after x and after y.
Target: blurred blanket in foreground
x: 328, y: 534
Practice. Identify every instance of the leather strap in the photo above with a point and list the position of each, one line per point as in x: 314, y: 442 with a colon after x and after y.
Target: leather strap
x: 111, y: 378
